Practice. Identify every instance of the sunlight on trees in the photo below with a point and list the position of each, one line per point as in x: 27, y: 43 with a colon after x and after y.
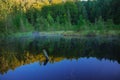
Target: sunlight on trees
x: 43, y: 15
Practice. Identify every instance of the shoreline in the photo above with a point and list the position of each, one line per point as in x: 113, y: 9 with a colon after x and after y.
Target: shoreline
x: 87, y: 33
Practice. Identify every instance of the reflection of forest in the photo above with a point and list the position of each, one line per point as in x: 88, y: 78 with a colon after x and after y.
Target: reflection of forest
x: 15, y: 52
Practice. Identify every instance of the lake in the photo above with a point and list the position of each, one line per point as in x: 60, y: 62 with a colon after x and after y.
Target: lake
x: 56, y: 57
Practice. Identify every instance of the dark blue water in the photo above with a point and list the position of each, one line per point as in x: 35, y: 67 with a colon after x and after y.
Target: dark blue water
x: 81, y: 69
x: 70, y: 58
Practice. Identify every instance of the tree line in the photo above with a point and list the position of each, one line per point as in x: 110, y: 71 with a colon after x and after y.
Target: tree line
x: 70, y: 15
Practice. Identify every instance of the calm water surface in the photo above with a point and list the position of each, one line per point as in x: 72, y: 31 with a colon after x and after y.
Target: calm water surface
x: 85, y: 58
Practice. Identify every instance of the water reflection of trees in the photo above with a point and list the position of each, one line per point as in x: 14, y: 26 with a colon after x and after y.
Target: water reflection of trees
x: 16, y: 52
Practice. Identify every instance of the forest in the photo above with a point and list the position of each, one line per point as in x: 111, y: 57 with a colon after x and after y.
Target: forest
x: 73, y: 38
x: 19, y: 16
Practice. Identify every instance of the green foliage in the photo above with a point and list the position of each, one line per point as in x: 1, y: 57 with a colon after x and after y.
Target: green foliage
x: 78, y: 15
x: 100, y: 24
x: 115, y: 11
x: 50, y: 19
